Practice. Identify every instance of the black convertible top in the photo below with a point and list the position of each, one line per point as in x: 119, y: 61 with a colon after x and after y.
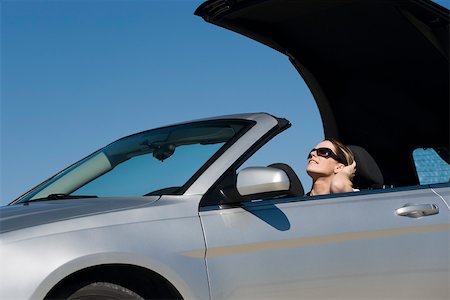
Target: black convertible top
x: 378, y: 69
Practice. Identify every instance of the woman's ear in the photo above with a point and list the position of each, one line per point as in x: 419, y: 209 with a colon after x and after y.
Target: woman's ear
x: 338, y: 168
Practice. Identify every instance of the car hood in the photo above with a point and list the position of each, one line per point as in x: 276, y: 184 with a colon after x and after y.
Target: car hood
x: 378, y: 69
x: 19, y: 216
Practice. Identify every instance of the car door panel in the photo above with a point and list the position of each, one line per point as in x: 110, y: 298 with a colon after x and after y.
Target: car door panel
x: 443, y: 191
x: 354, y: 246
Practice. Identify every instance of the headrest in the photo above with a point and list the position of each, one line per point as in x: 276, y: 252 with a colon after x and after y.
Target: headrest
x: 296, y: 187
x: 368, y: 174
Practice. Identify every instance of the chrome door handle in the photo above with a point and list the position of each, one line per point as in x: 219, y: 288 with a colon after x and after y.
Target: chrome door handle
x: 417, y: 210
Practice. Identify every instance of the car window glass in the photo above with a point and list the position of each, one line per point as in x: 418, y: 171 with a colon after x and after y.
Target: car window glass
x: 154, y: 162
x: 143, y: 174
x: 430, y: 166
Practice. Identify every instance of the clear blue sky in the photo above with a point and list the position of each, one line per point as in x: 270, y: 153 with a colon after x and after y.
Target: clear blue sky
x: 76, y: 75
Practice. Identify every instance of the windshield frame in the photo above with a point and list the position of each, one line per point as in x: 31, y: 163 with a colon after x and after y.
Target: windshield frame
x: 245, y: 123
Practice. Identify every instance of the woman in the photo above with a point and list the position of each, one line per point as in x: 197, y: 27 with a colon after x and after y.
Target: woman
x: 332, y: 167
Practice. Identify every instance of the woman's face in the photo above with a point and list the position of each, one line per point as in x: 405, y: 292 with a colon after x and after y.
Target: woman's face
x: 319, y: 166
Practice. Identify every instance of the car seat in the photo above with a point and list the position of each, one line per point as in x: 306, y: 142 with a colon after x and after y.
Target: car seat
x: 368, y: 174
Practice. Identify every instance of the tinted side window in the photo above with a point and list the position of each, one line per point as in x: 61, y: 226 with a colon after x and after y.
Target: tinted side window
x: 430, y: 165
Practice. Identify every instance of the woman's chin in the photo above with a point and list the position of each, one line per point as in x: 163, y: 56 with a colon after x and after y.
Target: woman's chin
x: 314, y: 172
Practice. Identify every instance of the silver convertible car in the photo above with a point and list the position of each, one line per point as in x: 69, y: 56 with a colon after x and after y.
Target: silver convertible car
x: 177, y: 212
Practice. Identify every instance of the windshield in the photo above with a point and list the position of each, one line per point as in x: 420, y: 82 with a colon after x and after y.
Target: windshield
x: 154, y: 162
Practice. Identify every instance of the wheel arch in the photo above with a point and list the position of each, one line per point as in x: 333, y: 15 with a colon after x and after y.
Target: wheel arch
x: 143, y: 281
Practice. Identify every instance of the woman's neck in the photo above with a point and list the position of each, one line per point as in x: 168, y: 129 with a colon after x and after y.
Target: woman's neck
x: 321, y: 186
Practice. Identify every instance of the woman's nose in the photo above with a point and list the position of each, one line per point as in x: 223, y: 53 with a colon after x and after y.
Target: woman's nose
x: 312, y: 153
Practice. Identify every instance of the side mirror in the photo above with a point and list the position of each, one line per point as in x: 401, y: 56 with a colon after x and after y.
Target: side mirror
x: 258, y: 180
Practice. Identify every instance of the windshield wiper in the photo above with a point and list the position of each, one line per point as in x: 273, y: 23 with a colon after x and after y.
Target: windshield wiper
x: 62, y: 196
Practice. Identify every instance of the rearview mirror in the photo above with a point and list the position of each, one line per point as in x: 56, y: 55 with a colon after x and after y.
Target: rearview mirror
x: 257, y: 180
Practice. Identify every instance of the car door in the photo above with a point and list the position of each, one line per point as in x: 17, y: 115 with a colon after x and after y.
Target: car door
x: 361, y: 245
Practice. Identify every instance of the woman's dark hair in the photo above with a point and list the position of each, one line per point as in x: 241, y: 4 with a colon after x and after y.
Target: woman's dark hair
x: 342, y: 151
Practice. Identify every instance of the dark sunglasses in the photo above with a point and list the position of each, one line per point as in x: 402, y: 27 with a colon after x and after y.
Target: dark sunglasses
x: 326, y: 153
